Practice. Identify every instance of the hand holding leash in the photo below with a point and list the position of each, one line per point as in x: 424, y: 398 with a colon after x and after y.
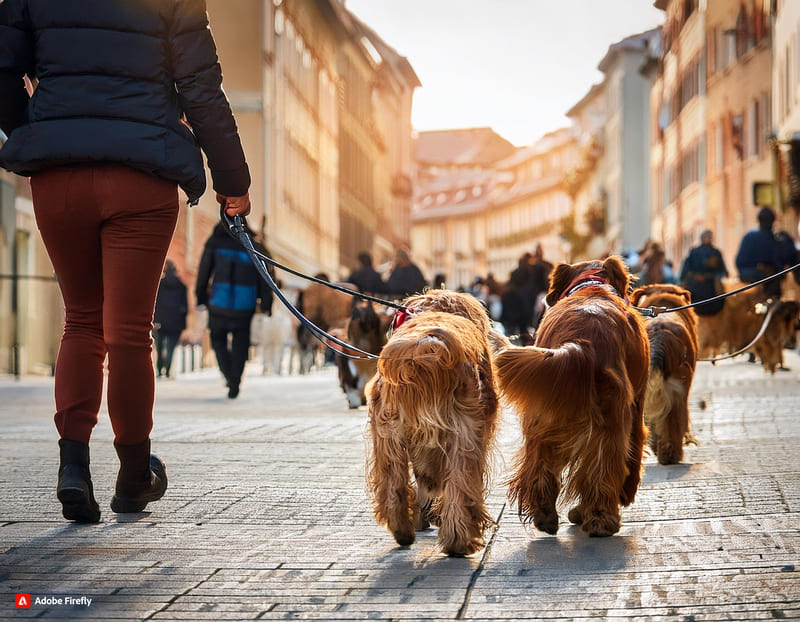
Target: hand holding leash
x: 234, y: 206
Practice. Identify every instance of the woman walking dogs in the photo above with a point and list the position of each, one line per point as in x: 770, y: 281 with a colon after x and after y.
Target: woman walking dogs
x: 103, y: 132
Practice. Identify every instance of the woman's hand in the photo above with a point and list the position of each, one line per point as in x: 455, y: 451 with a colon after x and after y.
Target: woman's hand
x: 235, y: 205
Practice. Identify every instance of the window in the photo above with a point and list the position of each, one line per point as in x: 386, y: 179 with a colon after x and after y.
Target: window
x: 751, y: 128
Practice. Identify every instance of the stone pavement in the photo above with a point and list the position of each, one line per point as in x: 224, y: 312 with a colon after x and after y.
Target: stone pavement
x: 266, y: 518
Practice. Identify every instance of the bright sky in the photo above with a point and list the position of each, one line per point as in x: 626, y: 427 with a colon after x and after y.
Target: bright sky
x: 514, y: 65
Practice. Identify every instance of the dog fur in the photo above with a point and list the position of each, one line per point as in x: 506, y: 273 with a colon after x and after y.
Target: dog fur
x: 781, y: 330
x: 673, y: 357
x: 433, y: 405
x: 739, y: 322
x: 366, y: 330
x: 579, y: 393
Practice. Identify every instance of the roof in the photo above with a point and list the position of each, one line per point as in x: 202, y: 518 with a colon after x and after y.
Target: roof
x: 545, y: 144
x: 471, y: 146
x: 586, y: 99
x: 635, y: 43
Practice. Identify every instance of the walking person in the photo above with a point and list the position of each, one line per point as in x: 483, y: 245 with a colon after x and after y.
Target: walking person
x: 758, y: 256
x: 702, y: 273
x: 229, y: 285
x: 169, y: 318
x: 365, y: 277
x: 406, y: 277
x: 106, y: 141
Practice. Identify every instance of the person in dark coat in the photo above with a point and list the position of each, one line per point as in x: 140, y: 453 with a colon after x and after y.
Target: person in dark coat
x: 169, y: 318
x: 230, y: 286
x: 366, y: 278
x: 702, y: 273
x: 107, y: 106
x: 757, y: 257
x: 406, y: 277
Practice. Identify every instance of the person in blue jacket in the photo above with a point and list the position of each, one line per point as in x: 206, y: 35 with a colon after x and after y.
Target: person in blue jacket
x: 107, y: 106
x: 229, y: 285
x: 702, y: 273
x: 758, y: 255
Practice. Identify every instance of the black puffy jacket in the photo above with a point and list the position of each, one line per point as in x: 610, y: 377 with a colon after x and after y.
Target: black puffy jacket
x: 115, y: 79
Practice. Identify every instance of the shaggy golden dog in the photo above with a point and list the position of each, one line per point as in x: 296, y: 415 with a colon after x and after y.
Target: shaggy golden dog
x: 780, y: 331
x: 673, y: 356
x: 741, y: 319
x: 433, y: 405
x: 579, y: 392
x: 729, y: 330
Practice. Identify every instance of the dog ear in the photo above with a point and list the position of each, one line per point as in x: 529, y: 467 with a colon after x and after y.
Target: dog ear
x: 617, y: 275
x: 686, y: 295
x: 560, y: 279
x: 636, y: 294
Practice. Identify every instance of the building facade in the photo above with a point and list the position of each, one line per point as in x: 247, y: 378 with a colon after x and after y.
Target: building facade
x: 323, y: 107
x: 481, y: 203
x: 786, y: 112
x: 711, y: 108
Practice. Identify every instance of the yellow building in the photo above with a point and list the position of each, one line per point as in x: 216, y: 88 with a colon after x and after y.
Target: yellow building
x: 711, y: 109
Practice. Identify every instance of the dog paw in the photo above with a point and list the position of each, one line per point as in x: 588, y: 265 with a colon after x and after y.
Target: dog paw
x: 421, y: 524
x: 404, y: 538
x: 575, y: 515
x: 601, y: 525
x: 546, y: 520
x: 667, y: 454
x: 462, y: 549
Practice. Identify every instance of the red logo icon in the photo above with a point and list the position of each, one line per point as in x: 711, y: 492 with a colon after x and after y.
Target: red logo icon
x: 23, y: 601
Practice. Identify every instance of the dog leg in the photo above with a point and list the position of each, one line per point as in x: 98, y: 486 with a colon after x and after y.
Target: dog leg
x: 598, y: 481
x: 535, y: 488
x: 669, y: 449
x: 633, y: 454
x: 388, y: 477
x: 427, y: 497
x: 464, y: 516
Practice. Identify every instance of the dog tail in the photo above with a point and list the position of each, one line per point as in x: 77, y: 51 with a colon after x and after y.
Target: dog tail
x: 530, y: 378
x: 427, y: 360
x: 672, y: 366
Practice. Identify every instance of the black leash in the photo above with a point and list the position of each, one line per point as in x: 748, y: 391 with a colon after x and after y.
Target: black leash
x: 655, y: 311
x: 758, y: 336
x: 237, y: 228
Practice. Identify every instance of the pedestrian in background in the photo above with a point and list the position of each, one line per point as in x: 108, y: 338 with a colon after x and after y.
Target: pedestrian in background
x: 757, y: 257
x: 127, y: 94
x: 365, y: 277
x: 169, y: 318
x: 230, y: 286
x: 702, y: 273
x: 654, y: 266
x: 406, y: 277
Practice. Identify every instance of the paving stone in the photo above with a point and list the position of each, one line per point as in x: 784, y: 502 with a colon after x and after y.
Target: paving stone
x: 266, y: 517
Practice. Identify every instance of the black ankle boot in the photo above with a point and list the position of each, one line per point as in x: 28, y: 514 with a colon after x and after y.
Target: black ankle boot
x: 75, y: 489
x: 142, y: 478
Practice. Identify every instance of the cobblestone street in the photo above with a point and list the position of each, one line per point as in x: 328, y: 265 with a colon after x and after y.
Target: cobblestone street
x: 266, y: 518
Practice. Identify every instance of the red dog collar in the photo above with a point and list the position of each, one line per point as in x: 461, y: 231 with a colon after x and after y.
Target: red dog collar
x: 588, y: 279
x: 401, y: 316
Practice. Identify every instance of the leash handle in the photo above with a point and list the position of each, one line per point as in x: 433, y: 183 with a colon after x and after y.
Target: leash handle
x: 237, y: 228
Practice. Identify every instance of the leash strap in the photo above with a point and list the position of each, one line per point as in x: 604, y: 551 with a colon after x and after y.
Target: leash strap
x: 236, y: 227
x: 654, y: 311
x: 749, y: 345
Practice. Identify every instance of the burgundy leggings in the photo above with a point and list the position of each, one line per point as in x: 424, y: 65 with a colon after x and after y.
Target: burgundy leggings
x: 107, y: 229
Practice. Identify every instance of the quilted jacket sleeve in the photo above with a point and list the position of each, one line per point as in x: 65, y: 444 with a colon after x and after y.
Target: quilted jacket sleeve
x: 198, y: 78
x: 16, y: 60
